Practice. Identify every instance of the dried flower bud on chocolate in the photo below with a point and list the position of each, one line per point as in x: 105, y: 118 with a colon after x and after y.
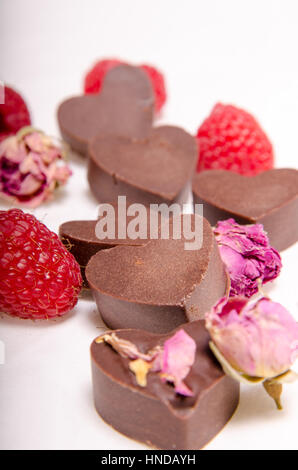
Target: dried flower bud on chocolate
x: 255, y: 342
x: 172, y: 361
x: 248, y: 256
x: 30, y: 167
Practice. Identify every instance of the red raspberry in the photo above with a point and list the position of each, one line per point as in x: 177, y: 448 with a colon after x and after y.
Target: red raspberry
x: 231, y: 139
x: 14, y: 113
x: 39, y: 278
x: 94, y: 78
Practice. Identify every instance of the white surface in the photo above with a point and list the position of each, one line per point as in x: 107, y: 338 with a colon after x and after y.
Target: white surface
x: 245, y: 53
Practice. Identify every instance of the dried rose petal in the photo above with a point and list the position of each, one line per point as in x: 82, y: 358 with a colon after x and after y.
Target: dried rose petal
x: 126, y: 348
x: 173, y: 360
x: 178, y: 357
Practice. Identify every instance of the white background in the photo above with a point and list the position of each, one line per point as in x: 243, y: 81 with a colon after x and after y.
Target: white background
x: 234, y: 51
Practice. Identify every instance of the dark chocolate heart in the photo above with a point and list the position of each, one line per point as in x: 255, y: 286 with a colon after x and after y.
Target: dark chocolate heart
x: 80, y: 239
x: 155, y: 414
x: 151, y: 170
x: 157, y: 286
x: 124, y: 106
x: 270, y: 198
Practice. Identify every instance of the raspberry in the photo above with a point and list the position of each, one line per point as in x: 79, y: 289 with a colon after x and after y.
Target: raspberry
x: 94, y: 78
x: 14, y: 113
x: 39, y: 278
x: 231, y: 139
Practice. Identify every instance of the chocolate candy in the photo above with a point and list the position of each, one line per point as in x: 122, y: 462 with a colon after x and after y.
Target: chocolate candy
x: 156, y: 414
x: 124, y: 106
x: 157, y: 286
x: 80, y: 239
x: 151, y: 170
x: 270, y: 198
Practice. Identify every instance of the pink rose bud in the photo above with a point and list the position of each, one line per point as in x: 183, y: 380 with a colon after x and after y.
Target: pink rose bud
x: 248, y: 256
x: 258, y: 339
x: 30, y: 167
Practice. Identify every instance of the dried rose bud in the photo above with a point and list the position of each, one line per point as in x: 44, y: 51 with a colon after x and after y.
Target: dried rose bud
x: 258, y: 339
x: 248, y: 256
x: 29, y: 167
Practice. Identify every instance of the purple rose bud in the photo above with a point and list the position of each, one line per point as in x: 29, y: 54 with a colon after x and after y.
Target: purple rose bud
x: 30, y: 167
x: 259, y: 339
x: 248, y: 256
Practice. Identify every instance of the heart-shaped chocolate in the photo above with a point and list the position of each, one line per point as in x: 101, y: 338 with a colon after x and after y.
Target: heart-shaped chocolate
x: 270, y: 198
x: 159, y: 285
x: 156, y: 414
x: 150, y: 170
x: 79, y: 237
x: 124, y: 106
